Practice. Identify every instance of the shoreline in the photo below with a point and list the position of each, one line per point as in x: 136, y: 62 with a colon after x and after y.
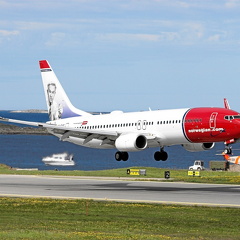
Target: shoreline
x: 13, y: 129
x: 29, y: 111
x: 25, y: 111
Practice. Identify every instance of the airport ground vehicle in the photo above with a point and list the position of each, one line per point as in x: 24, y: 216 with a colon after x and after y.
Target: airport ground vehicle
x: 198, y: 165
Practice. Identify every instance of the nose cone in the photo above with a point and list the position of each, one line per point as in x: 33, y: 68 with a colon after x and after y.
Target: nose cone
x: 233, y: 130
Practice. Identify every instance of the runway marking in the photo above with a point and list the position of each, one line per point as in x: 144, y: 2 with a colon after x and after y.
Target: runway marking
x: 126, y: 200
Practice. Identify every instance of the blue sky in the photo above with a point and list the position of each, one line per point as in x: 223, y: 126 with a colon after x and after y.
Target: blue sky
x: 124, y: 55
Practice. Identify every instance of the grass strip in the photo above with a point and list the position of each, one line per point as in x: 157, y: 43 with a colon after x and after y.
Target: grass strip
x: 86, y: 219
x: 223, y: 177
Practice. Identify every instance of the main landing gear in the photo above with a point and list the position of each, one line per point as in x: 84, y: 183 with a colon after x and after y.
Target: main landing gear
x: 160, y: 155
x: 121, y: 156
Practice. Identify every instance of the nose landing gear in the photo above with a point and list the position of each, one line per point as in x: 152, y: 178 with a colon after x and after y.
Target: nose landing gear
x: 228, y: 150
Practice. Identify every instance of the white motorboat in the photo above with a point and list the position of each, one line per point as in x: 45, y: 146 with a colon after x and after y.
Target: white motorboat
x: 59, y: 159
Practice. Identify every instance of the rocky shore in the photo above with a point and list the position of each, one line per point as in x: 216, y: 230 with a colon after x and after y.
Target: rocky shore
x: 29, y: 111
x: 13, y: 129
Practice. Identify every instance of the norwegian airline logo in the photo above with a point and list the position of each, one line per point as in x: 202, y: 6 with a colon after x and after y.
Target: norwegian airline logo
x: 212, y: 126
x: 203, y: 130
x: 84, y: 122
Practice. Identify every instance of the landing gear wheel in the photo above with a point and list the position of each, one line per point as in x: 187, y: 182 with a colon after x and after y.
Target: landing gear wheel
x: 121, y: 156
x: 164, y: 156
x: 160, y: 155
x: 118, y: 156
x: 228, y: 150
x: 124, y: 156
x: 157, y: 156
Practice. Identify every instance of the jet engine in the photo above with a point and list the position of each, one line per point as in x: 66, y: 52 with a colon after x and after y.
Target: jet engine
x: 131, y: 142
x: 197, y: 147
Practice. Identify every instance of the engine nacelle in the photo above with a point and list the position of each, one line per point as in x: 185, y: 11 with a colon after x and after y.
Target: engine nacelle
x: 197, y: 147
x: 131, y: 142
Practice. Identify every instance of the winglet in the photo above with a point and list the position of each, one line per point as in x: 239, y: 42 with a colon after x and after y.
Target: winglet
x: 226, y: 104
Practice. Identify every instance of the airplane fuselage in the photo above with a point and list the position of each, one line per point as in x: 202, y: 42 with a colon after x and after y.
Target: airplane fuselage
x: 170, y: 127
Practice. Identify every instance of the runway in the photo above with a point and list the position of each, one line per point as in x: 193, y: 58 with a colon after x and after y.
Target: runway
x: 109, y: 189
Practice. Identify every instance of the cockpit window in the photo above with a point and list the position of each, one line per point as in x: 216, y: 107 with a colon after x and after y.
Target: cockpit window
x: 228, y: 117
x: 232, y: 117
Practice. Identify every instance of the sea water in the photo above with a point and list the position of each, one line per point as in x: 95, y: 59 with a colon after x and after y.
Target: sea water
x: 27, y: 151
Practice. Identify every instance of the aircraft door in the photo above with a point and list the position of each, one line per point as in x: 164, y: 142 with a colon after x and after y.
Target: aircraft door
x: 139, y: 125
x: 213, y: 119
x: 144, y: 125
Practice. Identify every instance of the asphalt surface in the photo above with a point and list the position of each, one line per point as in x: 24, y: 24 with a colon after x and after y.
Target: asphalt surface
x: 110, y: 189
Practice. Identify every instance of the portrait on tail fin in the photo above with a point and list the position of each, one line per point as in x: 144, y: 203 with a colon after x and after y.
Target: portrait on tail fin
x: 58, y: 103
x: 55, y: 109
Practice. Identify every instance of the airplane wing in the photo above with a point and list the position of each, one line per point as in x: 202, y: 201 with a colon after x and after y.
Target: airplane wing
x: 56, y: 128
x: 64, y: 132
x: 36, y: 124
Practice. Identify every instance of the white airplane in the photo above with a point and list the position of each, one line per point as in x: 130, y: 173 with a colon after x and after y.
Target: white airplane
x: 196, y: 129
